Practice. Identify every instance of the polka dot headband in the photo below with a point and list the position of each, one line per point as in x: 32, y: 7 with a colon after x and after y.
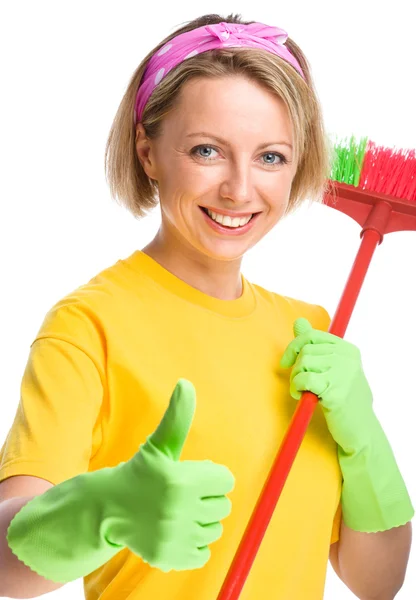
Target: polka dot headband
x: 203, y: 39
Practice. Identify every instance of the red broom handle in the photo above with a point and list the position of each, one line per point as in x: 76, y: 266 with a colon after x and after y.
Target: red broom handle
x: 263, y: 512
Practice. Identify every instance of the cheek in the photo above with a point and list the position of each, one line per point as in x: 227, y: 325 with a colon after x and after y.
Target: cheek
x: 197, y: 178
x: 186, y: 186
x: 187, y: 176
x: 277, y: 212
x: 279, y: 199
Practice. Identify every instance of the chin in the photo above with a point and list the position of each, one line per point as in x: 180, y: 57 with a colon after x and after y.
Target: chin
x: 225, y: 251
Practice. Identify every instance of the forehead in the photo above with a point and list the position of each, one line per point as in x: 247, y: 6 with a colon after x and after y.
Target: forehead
x: 228, y: 103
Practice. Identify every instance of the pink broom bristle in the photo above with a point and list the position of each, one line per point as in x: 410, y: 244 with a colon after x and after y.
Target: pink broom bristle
x: 389, y: 171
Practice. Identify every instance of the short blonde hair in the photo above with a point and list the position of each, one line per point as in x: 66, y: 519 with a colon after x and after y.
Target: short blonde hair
x: 128, y: 182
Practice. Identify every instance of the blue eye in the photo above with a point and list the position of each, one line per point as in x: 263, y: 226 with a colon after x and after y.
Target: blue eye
x: 195, y: 150
x: 282, y: 159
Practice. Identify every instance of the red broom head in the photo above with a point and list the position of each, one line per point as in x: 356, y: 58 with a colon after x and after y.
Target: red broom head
x: 364, y: 174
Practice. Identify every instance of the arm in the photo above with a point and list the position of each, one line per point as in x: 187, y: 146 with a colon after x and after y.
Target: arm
x: 372, y: 554
x: 372, y: 565
x: 16, y: 579
x: 40, y: 443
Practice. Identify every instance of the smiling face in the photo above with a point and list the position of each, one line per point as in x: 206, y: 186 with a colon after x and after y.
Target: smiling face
x: 242, y: 165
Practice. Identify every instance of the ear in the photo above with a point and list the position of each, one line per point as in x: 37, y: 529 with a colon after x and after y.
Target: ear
x: 145, y: 152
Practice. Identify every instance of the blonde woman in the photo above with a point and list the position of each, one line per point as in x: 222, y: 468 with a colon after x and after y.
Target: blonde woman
x: 156, y: 395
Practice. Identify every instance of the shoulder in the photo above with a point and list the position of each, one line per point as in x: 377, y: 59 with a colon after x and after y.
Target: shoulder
x: 316, y: 314
x: 294, y: 308
x: 79, y: 317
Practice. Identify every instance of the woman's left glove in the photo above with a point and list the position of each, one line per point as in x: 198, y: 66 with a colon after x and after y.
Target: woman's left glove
x: 374, y: 495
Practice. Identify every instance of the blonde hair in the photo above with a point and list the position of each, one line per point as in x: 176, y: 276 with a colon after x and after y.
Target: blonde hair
x: 128, y: 182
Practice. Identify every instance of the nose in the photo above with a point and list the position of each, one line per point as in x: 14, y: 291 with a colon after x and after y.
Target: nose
x: 237, y: 184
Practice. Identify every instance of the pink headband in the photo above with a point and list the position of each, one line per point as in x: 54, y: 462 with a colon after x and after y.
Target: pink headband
x: 203, y: 39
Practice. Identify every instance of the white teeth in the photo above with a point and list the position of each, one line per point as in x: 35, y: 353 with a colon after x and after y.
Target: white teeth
x: 228, y: 221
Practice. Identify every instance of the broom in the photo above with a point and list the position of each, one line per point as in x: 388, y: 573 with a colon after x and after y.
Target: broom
x: 376, y: 186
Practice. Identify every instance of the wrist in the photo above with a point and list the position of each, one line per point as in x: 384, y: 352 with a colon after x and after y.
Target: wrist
x: 374, y: 494
x: 58, y: 533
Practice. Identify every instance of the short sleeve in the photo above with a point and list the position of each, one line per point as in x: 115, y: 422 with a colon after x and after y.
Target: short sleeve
x: 56, y: 423
x: 316, y: 314
x: 320, y: 318
x: 336, y: 525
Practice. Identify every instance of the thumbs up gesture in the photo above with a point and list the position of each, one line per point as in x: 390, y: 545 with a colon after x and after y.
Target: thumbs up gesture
x: 170, y: 510
x: 164, y: 510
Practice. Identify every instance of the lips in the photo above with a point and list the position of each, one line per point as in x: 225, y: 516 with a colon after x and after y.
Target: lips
x: 229, y: 231
x: 242, y: 220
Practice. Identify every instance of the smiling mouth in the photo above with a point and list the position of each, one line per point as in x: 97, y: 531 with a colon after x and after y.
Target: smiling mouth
x: 226, y: 220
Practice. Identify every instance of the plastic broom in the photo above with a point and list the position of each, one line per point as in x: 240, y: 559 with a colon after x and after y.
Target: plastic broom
x: 376, y: 186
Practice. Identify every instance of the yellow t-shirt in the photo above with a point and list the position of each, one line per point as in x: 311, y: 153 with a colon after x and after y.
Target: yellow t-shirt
x: 99, y: 377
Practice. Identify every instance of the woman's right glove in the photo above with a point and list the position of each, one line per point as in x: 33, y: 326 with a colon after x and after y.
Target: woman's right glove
x: 164, y: 510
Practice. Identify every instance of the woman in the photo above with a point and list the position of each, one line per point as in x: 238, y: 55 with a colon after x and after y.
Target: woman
x: 224, y: 128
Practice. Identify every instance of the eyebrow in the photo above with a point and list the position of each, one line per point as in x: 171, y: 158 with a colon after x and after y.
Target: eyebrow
x: 222, y: 141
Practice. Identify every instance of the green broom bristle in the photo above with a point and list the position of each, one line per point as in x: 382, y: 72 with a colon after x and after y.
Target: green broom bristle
x: 348, y: 160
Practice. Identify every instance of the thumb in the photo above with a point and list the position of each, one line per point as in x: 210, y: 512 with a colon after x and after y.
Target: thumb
x: 289, y: 357
x: 173, y: 429
x: 301, y: 326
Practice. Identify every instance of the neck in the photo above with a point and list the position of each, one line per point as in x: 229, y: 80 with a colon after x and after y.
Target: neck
x: 216, y: 278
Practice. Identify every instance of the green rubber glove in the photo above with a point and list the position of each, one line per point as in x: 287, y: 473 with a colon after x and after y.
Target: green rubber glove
x: 374, y: 496
x: 164, y: 510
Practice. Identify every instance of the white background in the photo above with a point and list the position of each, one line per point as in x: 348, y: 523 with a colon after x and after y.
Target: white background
x: 65, y: 66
